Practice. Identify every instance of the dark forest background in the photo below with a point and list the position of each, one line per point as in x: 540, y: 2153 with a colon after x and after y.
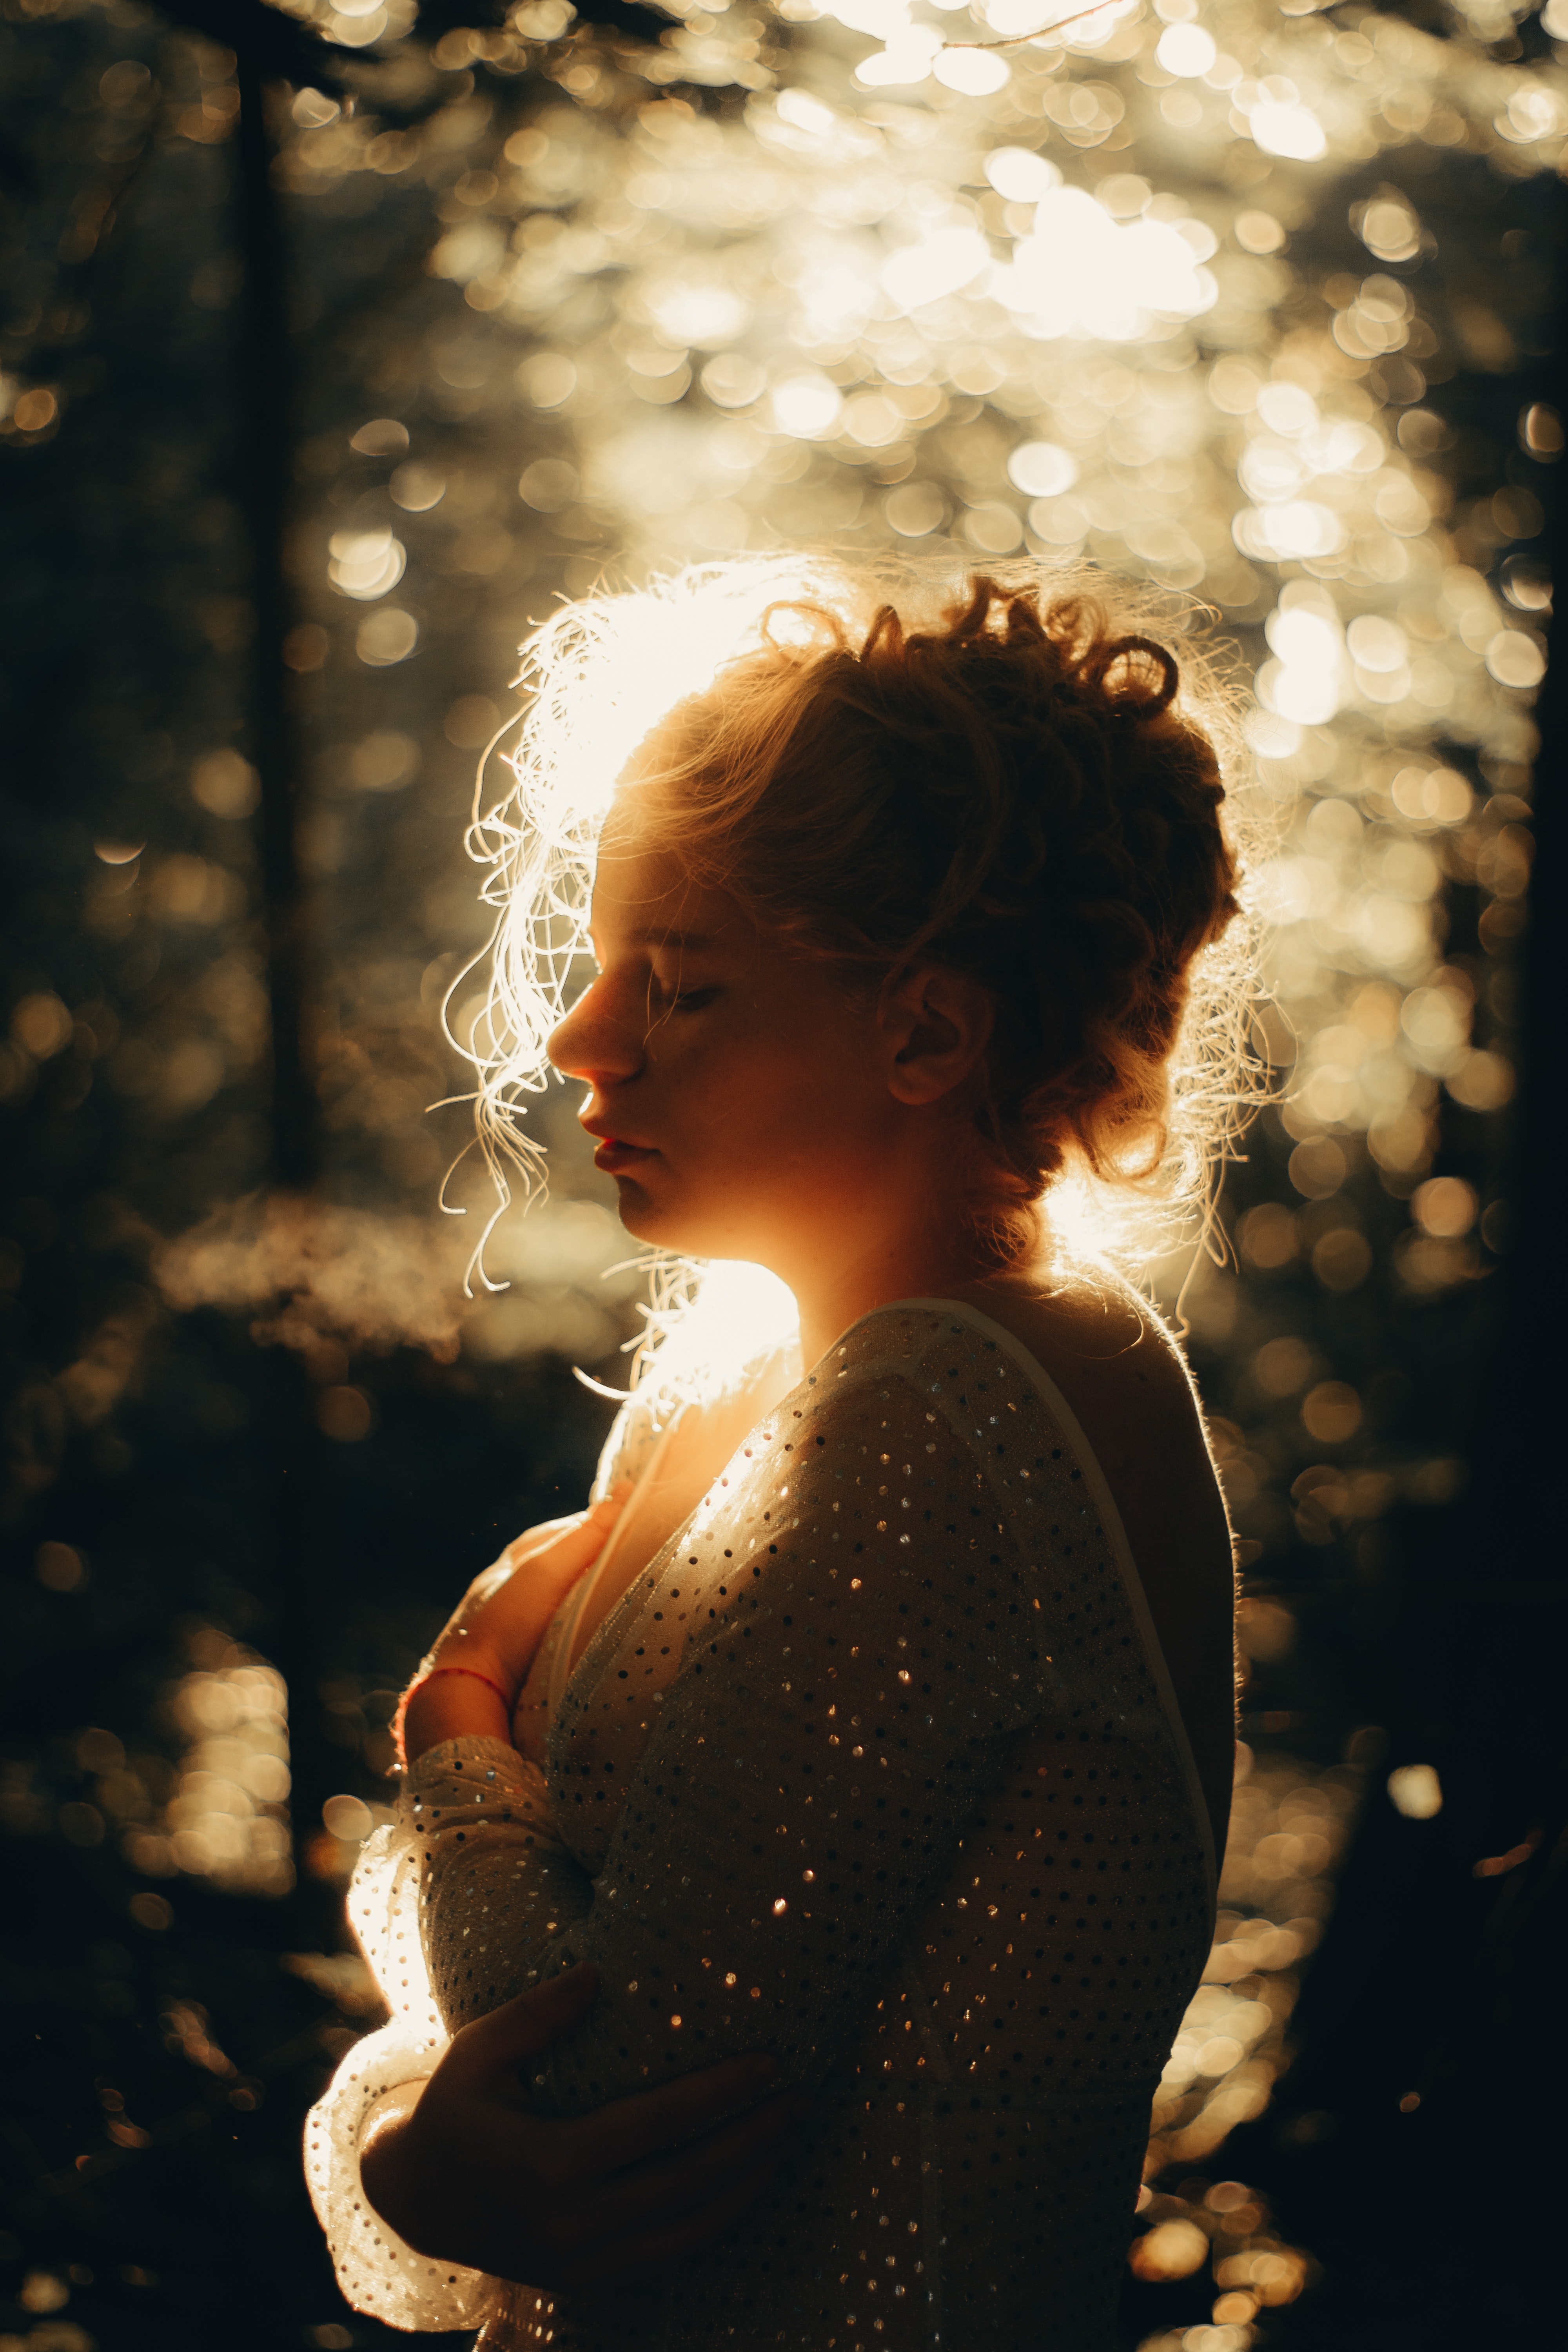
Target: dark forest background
x: 233, y: 903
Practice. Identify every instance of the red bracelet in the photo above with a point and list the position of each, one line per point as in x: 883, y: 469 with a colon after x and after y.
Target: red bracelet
x: 506, y: 1698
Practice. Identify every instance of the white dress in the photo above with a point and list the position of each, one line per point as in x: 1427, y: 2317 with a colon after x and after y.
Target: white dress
x: 876, y: 1766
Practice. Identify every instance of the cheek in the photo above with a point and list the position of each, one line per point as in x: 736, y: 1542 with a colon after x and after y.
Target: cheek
x: 736, y: 1088
x: 782, y: 1092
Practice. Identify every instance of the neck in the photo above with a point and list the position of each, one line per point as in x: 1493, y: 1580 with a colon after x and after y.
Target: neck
x: 831, y: 1296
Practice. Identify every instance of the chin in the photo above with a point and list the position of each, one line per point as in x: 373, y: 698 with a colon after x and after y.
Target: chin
x: 636, y: 1211
x: 654, y: 1221
x: 682, y: 1229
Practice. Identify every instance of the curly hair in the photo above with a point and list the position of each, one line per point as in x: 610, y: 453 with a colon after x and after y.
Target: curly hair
x: 1011, y: 791
x: 1011, y: 775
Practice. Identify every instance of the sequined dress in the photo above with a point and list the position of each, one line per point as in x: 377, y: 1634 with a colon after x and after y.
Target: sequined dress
x: 877, y: 1765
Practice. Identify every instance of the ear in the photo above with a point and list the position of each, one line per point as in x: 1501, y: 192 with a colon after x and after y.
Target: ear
x: 936, y: 1025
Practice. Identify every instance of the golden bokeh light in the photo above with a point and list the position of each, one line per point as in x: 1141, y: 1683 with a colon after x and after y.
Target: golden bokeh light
x: 1233, y: 298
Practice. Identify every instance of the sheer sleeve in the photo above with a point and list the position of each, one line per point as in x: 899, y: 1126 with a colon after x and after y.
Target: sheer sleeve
x: 846, y: 1633
x: 378, y: 2273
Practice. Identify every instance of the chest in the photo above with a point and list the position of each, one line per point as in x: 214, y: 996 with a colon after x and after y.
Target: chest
x: 694, y: 1454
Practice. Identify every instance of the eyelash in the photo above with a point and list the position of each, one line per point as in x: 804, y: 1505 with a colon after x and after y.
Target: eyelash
x: 683, y: 1001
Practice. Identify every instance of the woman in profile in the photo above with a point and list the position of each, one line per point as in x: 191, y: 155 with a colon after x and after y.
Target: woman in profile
x: 879, y: 1714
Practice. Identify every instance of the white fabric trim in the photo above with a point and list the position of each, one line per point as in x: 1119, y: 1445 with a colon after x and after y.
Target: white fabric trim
x: 563, y: 1666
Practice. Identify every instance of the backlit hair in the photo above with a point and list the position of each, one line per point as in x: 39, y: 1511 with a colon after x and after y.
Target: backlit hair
x: 1014, y: 776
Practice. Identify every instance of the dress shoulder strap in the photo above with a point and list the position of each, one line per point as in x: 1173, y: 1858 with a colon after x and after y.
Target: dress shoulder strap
x: 1071, y: 1429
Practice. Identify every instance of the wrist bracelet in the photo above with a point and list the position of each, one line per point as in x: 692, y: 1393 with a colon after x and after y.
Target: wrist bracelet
x: 508, y: 1698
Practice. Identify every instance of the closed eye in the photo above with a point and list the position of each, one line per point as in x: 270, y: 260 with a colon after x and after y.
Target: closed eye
x: 664, y: 1002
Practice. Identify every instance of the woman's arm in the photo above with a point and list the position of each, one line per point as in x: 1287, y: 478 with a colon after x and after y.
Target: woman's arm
x: 434, y: 2180
x: 392, y: 2150
x: 472, y: 2176
x: 381, y: 2083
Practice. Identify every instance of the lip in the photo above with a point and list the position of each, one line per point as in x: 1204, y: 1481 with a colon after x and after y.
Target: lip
x: 615, y: 1156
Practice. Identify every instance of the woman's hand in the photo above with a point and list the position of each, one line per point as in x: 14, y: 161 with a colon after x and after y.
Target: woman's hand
x: 474, y: 2177
x: 499, y: 1626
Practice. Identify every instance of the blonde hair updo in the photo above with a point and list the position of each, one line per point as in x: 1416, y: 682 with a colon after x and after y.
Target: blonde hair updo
x: 1010, y: 790
x: 1013, y: 775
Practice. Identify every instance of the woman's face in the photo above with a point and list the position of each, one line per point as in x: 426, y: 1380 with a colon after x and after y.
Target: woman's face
x: 747, y: 1102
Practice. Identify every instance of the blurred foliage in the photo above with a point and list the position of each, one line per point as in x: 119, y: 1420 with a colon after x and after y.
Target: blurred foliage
x: 1252, y: 302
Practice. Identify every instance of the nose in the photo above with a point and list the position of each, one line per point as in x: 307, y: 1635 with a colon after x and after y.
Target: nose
x: 593, y: 1043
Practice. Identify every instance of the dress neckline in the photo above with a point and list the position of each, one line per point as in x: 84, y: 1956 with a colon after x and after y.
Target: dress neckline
x: 565, y: 1669
x: 563, y: 1665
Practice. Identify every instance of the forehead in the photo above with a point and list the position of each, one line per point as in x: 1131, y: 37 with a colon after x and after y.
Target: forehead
x: 643, y: 893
